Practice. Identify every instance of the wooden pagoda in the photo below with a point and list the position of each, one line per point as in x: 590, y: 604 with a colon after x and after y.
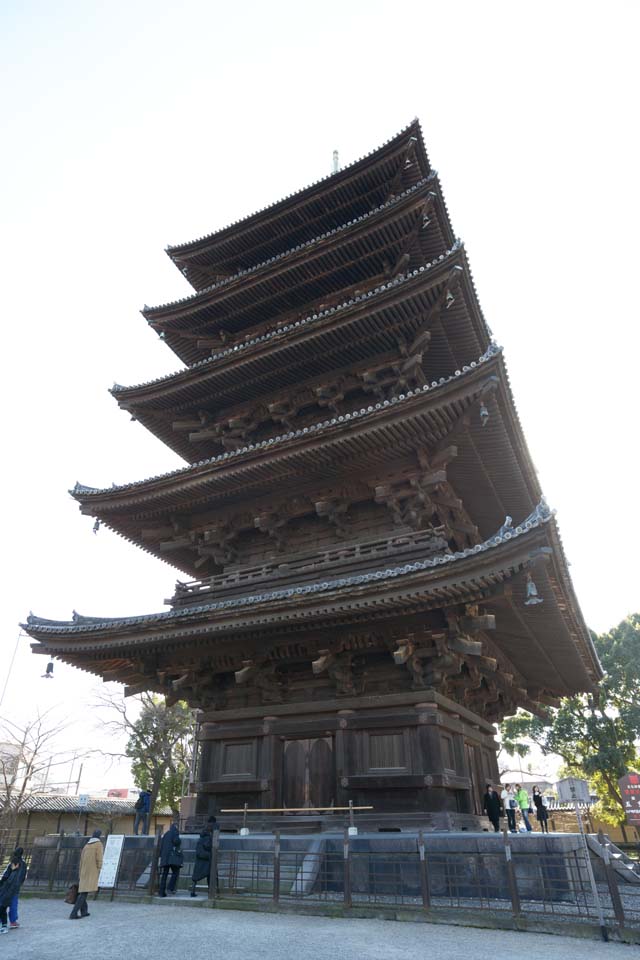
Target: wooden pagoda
x: 372, y: 578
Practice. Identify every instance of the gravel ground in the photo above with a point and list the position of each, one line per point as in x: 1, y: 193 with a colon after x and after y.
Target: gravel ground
x: 117, y: 930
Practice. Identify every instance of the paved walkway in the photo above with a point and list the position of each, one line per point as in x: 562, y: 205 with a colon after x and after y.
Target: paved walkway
x: 118, y: 930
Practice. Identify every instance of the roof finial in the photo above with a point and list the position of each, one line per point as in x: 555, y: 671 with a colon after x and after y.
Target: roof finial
x: 336, y: 161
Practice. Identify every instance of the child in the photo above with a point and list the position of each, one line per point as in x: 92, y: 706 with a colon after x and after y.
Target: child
x: 10, y: 883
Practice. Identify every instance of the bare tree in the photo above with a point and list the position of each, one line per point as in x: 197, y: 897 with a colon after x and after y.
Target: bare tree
x: 28, y: 753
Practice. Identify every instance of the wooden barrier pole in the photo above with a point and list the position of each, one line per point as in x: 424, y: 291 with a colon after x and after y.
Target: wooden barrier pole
x: 276, y: 867
x: 213, y: 890
x: 424, y: 873
x: 153, y: 871
x: 612, y: 883
x: 346, y: 848
x: 56, y: 859
x: 511, y: 878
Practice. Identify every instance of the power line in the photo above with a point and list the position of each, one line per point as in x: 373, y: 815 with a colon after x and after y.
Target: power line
x: 6, y: 683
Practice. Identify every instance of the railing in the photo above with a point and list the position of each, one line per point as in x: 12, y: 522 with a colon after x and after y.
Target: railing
x: 300, y: 564
x: 550, y: 879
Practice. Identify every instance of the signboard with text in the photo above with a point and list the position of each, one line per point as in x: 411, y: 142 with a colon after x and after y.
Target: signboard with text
x: 630, y: 792
x: 111, y: 860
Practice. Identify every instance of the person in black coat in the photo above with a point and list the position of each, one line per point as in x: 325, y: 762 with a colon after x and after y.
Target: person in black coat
x: 542, y: 814
x: 171, y: 859
x: 491, y: 806
x: 20, y: 863
x: 9, y: 888
x: 202, y: 864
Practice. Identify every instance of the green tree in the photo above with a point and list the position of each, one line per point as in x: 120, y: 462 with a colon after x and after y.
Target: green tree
x: 159, y: 744
x: 596, y: 734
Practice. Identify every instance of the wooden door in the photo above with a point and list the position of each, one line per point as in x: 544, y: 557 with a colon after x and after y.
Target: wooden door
x: 308, y: 776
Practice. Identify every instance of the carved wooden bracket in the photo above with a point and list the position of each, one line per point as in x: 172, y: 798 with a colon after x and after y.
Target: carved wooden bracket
x: 334, y: 511
x: 330, y: 395
x: 272, y: 523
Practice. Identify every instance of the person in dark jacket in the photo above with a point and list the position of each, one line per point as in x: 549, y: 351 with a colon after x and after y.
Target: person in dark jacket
x: 143, y: 809
x: 171, y: 859
x: 17, y: 860
x: 202, y: 864
x: 9, y: 888
x: 491, y: 806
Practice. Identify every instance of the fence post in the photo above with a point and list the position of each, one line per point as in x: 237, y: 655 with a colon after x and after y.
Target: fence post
x: 153, y: 872
x: 56, y: 859
x: 276, y: 867
x: 424, y: 873
x: 346, y: 849
x: 612, y: 883
x: 511, y: 877
x: 213, y: 890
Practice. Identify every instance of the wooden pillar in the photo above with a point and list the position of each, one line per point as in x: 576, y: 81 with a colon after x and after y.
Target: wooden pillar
x: 344, y: 756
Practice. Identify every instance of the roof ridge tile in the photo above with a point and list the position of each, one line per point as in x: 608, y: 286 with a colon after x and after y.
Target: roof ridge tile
x: 541, y: 514
x: 281, y: 256
x: 492, y: 350
x: 310, y: 318
x: 289, y: 196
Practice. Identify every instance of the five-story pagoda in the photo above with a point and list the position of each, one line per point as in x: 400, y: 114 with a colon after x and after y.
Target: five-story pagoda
x: 371, y: 575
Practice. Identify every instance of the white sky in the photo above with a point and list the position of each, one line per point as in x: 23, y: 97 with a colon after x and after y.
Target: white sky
x: 130, y: 126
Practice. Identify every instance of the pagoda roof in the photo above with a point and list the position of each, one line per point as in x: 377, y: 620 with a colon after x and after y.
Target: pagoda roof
x: 548, y: 643
x: 312, y: 346
x: 492, y: 472
x: 358, y: 186
x: 348, y: 255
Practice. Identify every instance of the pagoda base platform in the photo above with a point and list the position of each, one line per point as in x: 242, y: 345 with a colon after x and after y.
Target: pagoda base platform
x: 403, y: 760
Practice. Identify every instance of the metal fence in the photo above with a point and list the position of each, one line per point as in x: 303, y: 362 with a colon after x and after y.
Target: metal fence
x: 552, y: 878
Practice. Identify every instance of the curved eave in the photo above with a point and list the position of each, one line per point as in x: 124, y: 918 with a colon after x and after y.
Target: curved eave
x: 492, y: 472
x: 274, y: 363
x: 565, y: 660
x: 249, y: 229
x: 426, y: 275
x: 316, y: 437
x: 177, y: 310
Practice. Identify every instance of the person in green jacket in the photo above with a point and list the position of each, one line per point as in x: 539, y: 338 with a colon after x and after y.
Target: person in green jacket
x: 522, y: 799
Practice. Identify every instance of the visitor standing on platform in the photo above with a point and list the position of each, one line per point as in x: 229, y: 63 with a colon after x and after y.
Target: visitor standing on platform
x: 491, y: 806
x: 90, y: 863
x: 510, y: 805
x: 171, y: 859
x: 143, y: 810
x: 17, y: 863
x: 542, y: 814
x: 522, y: 799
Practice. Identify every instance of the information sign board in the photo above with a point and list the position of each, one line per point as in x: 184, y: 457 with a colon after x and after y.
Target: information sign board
x: 630, y: 792
x: 111, y: 861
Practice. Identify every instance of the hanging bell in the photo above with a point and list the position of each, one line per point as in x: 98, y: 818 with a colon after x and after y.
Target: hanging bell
x: 449, y: 300
x: 96, y: 525
x: 532, y: 593
x: 484, y: 414
x: 48, y: 674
